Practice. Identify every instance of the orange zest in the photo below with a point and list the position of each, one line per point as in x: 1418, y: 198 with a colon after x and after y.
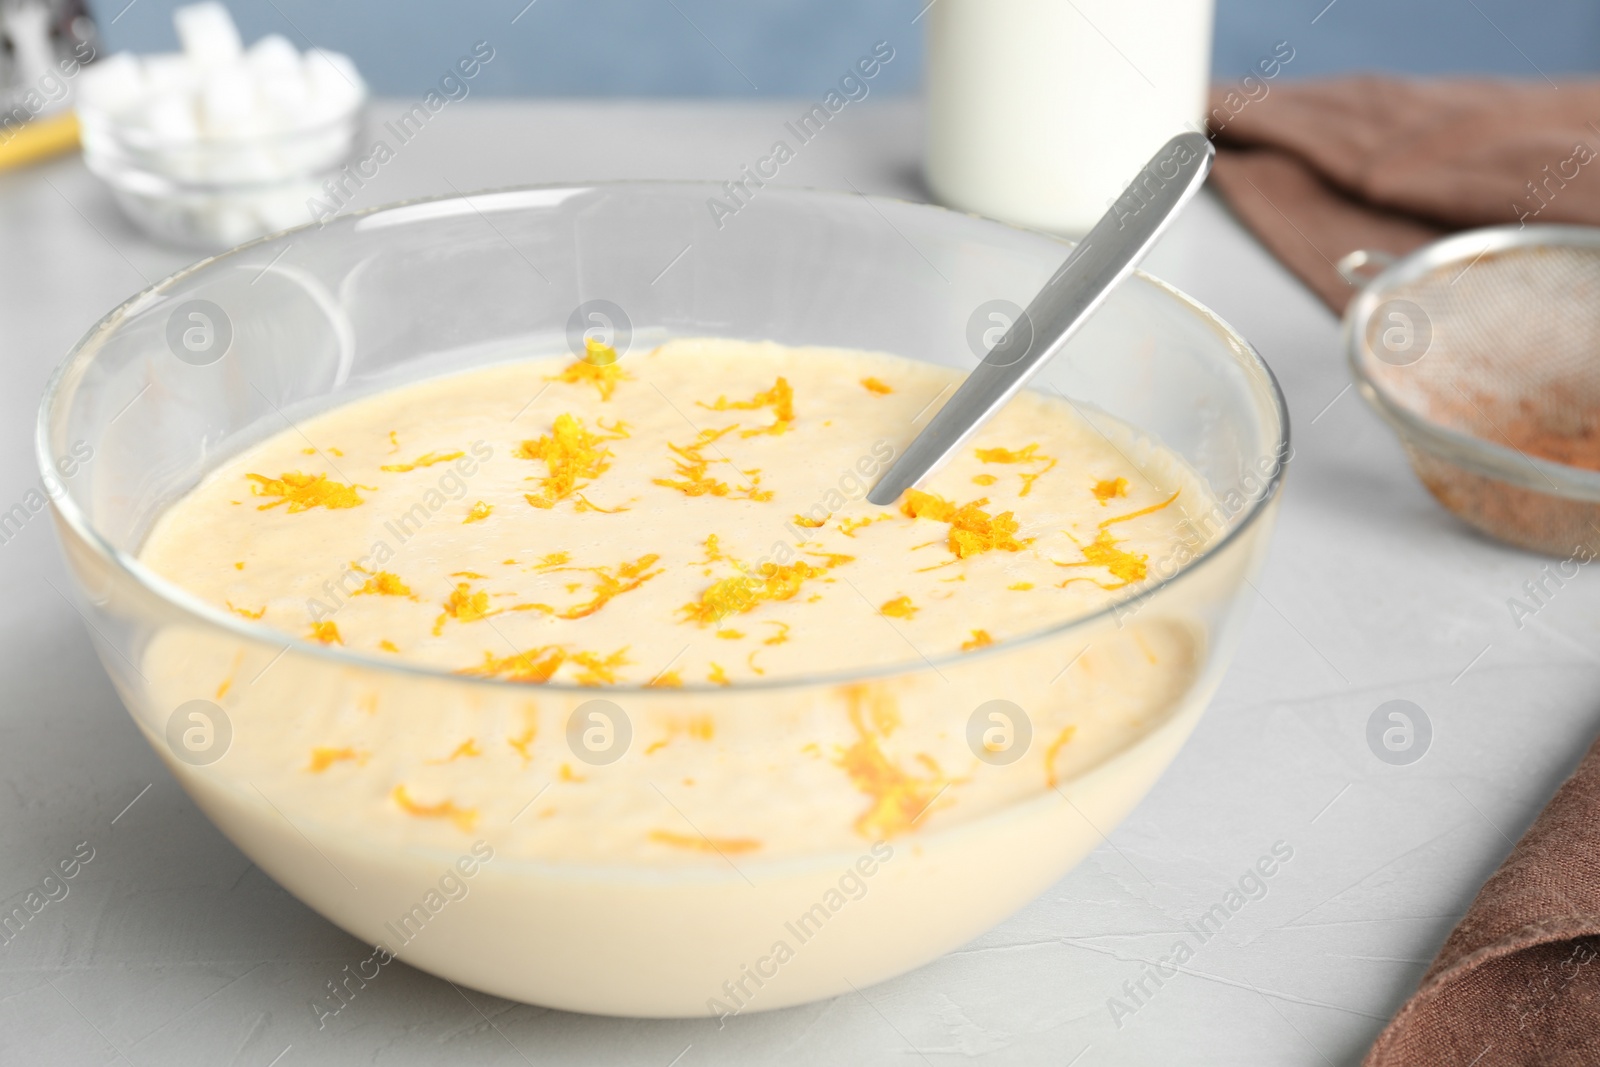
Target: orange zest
x: 327, y: 632
x: 899, y: 797
x: 383, y: 583
x: 303, y: 492
x: 597, y: 669
x: 899, y: 608
x: 972, y: 530
x: 693, y: 468
x: 572, y: 455
x: 463, y: 605
x: 980, y: 639
x: 467, y: 749
x: 1103, y: 551
x: 478, y: 512
x: 848, y: 527
x: 537, y: 665
x: 1130, y: 567
x: 612, y: 582
x: 323, y: 758
x: 522, y: 742
x: 427, y: 459
x: 1050, y: 754
x: 1027, y: 454
x: 701, y: 843
x: 735, y: 596
x: 464, y: 818
x: 875, y: 385
x: 780, y: 398
x: 599, y: 367
x: 1109, y: 489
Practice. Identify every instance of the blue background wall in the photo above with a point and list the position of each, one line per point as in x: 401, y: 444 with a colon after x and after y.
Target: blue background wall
x: 795, y: 47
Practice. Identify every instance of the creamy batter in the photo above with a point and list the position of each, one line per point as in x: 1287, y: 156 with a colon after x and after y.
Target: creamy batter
x: 694, y: 514
x: 674, y: 533
x: 680, y: 521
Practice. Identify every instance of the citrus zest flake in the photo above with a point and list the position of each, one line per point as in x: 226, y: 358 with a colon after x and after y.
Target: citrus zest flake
x: 464, y: 818
x: 899, y: 608
x: 848, y: 527
x: 612, y: 582
x: 1130, y: 567
x: 427, y: 459
x: 899, y: 798
x: 521, y: 743
x: 571, y: 454
x: 536, y: 666
x: 735, y: 596
x: 693, y: 467
x: 980, y: 639
x: 463, y: 605
x: 383, y: 583
x: 467, y: 749
x: 1108, y: 489
x: 1050, y: 754
x: 1103, y: 551
x: 972, y: 530
x: 595, y: 369
x: 598, y: 670
x: 303, y: 492
x: 478, y: 512
x: 1027, y: 454
x: 875, y: 385
x: 701, y: 843
x: 323, y: 758
x: 780, y: 398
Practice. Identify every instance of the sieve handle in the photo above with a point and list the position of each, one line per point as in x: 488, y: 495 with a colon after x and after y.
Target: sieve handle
x: 1361, y: 266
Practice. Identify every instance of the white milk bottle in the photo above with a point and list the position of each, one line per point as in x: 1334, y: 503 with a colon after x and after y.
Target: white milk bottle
x: 1041, y: 111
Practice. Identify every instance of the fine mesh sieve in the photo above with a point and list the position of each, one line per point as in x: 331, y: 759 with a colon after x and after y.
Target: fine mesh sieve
x: 1483, y: 352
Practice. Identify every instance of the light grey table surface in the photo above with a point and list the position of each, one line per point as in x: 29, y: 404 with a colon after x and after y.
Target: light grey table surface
x: 171, y: 948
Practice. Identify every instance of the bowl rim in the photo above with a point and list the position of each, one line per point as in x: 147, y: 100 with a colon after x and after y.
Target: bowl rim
x: 202, y: 612
x: 1479, y: 455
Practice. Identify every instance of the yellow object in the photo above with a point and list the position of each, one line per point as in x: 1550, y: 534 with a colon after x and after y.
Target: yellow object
x: 39, y: 139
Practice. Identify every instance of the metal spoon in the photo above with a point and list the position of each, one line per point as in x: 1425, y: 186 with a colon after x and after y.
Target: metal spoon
x: 1105, y: 256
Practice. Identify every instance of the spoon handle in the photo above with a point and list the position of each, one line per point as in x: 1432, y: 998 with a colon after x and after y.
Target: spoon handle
x: 1105, y: 256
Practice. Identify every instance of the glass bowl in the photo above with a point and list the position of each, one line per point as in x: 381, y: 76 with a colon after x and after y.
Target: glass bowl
x: 1478, y: 350
x: 209, y: 193
x: 527, y: 889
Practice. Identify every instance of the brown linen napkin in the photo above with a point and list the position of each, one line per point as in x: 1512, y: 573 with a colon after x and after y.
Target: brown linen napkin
x: 1518, y: 981
x: 1320, y: 168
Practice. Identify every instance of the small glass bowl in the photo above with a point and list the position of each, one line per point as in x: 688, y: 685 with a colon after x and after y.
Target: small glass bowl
x: 305, y: 321
x: 212, y: 193
x: 1468, y: 345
